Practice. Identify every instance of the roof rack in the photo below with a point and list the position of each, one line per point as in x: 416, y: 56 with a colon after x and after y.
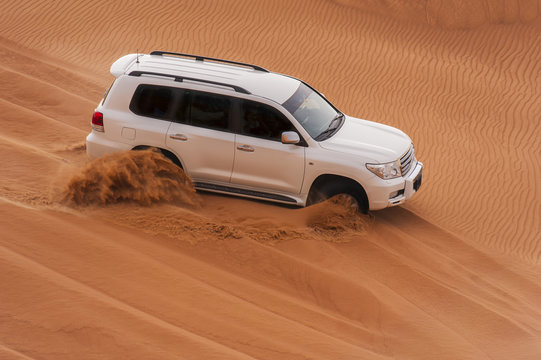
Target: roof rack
x: 182, y: 78
x: 203, y: 58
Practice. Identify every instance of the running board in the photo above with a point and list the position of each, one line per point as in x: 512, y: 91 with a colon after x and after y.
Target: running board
x: 251, y: 193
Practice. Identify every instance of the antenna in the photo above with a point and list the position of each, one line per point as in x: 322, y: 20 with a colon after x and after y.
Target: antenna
x: 137, y: 57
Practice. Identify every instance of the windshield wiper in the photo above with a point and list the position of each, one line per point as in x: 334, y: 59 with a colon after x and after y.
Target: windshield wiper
x: 335, y: 124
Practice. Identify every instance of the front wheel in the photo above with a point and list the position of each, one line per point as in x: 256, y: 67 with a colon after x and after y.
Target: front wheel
x: 348, y: 194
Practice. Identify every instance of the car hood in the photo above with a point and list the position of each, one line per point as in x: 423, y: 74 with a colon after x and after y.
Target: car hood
x: 369, y: 140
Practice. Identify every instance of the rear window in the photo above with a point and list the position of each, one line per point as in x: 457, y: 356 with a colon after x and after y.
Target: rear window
x: 209, y: 110
x: 152, y: 101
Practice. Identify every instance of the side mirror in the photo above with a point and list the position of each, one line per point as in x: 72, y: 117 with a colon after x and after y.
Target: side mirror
x: 290, y: 137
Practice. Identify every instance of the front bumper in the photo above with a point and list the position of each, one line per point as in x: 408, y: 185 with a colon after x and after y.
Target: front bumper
x: 411, y: 184
x: 396, y: 191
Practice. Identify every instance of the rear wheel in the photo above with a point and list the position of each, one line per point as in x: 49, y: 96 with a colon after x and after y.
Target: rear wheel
x: 166, y: 153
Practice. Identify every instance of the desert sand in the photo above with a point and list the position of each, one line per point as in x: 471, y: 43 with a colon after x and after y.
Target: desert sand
x: 161, y: 272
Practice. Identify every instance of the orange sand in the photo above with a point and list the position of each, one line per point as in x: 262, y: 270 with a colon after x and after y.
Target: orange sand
x: 454, y: 274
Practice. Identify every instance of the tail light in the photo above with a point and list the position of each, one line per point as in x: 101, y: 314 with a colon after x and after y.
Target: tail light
x: 97, y: 121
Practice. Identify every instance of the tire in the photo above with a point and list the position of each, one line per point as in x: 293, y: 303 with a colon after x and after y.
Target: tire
x: 351, y: 192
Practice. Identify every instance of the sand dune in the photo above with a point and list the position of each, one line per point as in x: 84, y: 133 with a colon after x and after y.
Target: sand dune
x: 454, y: 274
x: 452, y: 14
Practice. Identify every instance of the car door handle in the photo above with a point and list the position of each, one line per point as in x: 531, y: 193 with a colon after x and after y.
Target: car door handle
x: 247, y: 148
x: 179, y: 137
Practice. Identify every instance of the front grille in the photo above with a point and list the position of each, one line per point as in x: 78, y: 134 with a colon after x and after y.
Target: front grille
x: 407, y: 160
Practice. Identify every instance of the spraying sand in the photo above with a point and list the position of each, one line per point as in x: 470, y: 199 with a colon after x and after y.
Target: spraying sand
x: 142, y: 177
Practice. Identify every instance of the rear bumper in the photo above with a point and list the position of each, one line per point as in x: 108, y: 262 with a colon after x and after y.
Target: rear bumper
x: 98, y: 145
x: 397, y: 191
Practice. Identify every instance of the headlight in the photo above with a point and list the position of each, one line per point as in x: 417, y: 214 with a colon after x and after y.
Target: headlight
x: 386, y: 171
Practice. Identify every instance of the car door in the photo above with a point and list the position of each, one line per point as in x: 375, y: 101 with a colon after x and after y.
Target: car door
x: 261, y: 160
x: 201, y: 135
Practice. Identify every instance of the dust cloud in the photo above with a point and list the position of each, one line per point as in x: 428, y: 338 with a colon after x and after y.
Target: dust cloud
x: 142, y: 177
x: 116, y: 185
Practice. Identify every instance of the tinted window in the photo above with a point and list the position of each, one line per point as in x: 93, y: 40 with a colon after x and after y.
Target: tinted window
x: 152, y: 101
x: 182, y: 113
x: 263, y: 121
x: 209, y: 110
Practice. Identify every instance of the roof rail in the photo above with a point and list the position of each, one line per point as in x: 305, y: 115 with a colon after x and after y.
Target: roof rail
x: 203, y: 58
x: 182, y: 78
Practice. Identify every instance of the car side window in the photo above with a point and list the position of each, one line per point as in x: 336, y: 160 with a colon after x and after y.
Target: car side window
x: 209, y: 110
x: 263, y: 121
x: 152, y: 101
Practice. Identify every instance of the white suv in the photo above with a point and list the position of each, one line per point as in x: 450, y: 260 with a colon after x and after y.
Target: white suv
x: 239, y: 129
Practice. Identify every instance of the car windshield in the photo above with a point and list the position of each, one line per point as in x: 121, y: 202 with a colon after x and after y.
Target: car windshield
x: 313, y: 112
